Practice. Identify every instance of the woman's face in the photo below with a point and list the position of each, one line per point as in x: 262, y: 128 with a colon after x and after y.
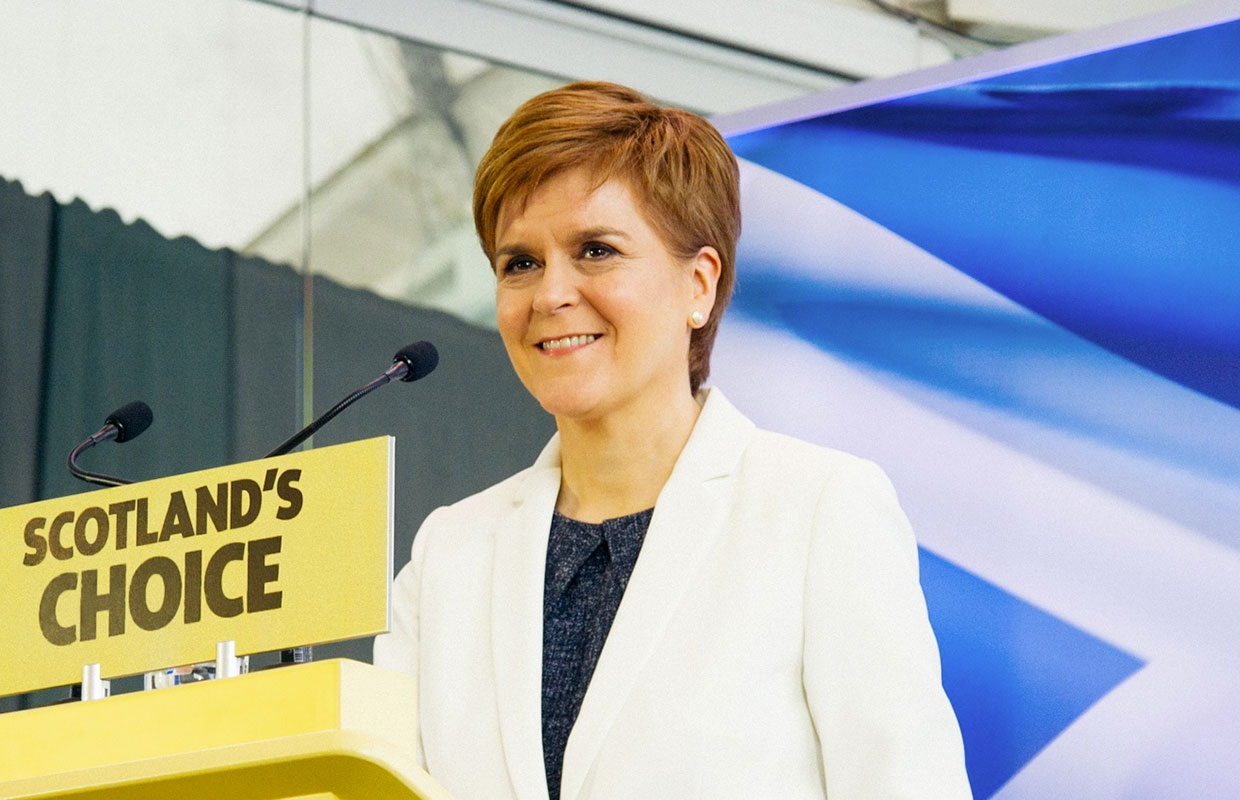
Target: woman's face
x: 592, y: 307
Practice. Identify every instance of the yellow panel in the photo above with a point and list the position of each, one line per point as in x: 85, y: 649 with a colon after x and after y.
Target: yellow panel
x: 331, y: 729
x: 203, y: 715
x: 272, y: 554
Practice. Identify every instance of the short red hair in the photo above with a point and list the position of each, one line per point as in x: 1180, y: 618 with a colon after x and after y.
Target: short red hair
x: 676, y: 164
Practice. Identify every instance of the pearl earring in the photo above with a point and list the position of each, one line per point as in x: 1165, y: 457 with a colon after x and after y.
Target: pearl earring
x: 696, y: 319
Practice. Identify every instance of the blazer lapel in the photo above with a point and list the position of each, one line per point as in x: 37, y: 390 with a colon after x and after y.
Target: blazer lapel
x: 517, y: 622
x: 690, y: 516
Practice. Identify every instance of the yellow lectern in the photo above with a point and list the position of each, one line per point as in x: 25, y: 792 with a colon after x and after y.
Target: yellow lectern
x: 266, y: 554
x: 324, y: 730
x: 245, y: 558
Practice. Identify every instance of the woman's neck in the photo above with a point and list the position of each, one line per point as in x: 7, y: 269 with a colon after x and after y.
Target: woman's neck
x: 617, y: 465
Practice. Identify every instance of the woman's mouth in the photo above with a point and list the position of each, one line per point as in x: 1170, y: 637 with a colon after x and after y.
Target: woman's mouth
x: 567, y: 341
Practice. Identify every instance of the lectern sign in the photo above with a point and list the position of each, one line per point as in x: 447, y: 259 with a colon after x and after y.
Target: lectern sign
x: 271, y: 554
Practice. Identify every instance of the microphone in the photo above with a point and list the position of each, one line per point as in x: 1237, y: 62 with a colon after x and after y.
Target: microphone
x: 410, y: 363
x: 125, y: 423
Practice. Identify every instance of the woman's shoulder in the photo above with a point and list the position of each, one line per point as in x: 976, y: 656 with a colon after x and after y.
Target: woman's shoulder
x: 808, y: 475
x: 784, y: 453
x: 454, y: 536
x: 722, y: 421
x: 491, y: 502
x: 784, y: 463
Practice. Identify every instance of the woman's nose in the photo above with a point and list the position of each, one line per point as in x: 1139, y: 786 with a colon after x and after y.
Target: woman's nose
x: 557, y: 287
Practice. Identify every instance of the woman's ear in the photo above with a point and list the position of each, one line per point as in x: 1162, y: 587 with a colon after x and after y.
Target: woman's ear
x: 706, y: 270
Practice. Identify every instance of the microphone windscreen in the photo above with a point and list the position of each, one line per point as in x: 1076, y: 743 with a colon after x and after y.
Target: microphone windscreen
x: 422, y: 358
x: 130, y: 420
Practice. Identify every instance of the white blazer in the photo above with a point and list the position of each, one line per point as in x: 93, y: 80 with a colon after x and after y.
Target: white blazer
x: 772, y: 641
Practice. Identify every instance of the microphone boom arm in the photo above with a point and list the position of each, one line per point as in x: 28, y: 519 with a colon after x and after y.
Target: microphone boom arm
x: 108, y: 433
x: 305, y: 433
x: 412, y: 362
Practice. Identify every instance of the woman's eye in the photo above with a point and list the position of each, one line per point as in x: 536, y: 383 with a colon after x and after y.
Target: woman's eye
x: 518, y: 264
x: 595, y: 250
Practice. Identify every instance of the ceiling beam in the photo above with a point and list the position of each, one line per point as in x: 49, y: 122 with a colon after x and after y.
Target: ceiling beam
x: 827, y: 35
x: 575, y: 43
x: 1054, y: 15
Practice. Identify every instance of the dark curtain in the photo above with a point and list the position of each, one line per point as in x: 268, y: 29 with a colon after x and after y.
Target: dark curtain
x: 25, y: 252
x: 95, y: 313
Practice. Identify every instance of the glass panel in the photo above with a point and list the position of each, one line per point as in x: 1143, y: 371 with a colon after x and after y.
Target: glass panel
x: 167, y: 134
x: 397, y: 130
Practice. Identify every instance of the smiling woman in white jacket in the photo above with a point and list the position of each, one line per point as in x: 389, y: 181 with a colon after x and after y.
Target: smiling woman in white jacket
x: 669, y: 603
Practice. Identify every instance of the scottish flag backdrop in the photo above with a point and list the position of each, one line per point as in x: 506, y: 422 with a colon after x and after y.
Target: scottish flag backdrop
x: 1021, y: 295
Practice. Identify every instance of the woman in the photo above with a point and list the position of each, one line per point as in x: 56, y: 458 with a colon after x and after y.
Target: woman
x: 772, y: 640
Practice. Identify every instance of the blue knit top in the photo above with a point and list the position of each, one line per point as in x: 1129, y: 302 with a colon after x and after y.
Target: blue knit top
x: 588, y: 566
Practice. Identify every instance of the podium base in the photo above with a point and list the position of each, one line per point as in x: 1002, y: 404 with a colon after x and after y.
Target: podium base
x: 327, y: 730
